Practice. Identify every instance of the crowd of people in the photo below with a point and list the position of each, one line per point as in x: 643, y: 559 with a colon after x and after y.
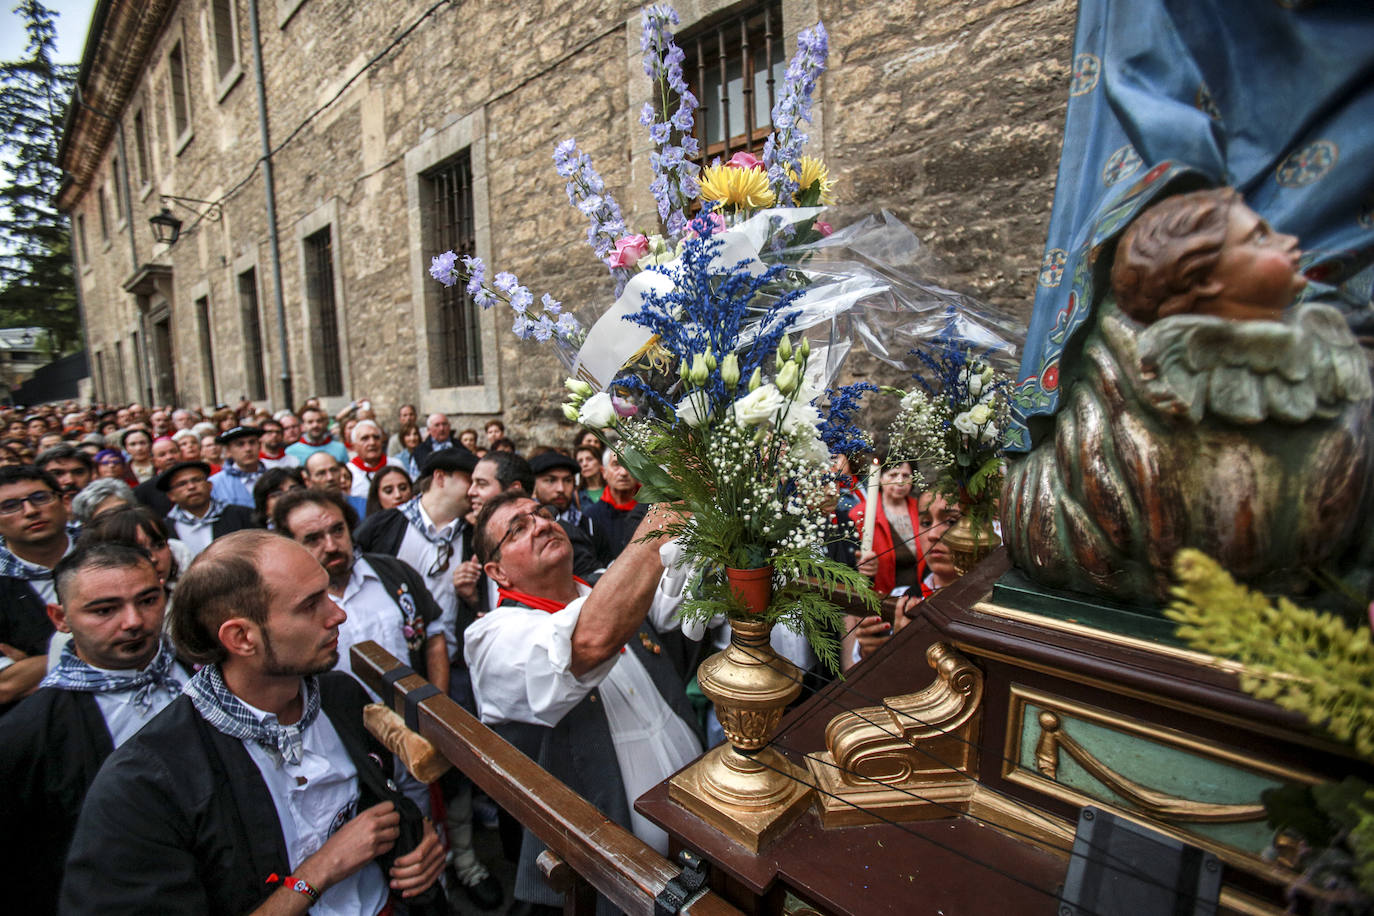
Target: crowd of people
x: 181, y: 592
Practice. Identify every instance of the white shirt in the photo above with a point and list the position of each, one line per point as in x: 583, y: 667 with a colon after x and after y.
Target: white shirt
x: 285, y: 461
x: 520, y: 662
x: 362, y: 480
x: 195, y: 537
x: 314, y: 798
x: 417, y: 551
x: 372, y: 614
x: 122, y: 716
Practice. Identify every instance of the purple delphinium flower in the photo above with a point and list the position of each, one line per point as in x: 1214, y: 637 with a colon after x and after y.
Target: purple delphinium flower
x: 793, y: 107
x: 675, y: 182
x: 587, y: 192
x: 441, y: 268
x: 477, y: 274
x: 506, y: 287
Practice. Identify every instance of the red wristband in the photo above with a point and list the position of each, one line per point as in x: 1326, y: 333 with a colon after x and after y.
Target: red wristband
x: 299, y: 885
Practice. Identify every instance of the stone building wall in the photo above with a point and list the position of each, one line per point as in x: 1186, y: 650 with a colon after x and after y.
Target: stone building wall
x: 947, y: 114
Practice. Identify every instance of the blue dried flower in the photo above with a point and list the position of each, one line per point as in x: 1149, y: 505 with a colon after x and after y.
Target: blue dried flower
x: 838, y: 430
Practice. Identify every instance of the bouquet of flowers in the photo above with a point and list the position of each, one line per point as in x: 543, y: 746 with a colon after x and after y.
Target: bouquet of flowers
x: 955, y: 421
x: 698, y: 375
x: 740, y: 437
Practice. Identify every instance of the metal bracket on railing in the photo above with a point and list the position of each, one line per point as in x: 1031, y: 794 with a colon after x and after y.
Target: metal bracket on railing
x: 689, y: 882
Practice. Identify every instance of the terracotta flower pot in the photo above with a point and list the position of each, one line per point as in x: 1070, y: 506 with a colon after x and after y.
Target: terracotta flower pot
x: 752, y: 587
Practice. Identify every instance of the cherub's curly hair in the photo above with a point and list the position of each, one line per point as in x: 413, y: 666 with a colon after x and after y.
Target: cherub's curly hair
x: 1168, y: 253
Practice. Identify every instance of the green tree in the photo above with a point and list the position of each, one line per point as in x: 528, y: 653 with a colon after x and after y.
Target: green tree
x: 37, y: 287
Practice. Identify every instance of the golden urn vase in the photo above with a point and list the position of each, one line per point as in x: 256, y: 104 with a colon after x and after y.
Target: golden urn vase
x: 745, y: 788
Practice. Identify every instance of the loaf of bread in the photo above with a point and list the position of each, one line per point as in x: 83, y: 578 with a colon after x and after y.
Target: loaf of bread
x: 420, y: 757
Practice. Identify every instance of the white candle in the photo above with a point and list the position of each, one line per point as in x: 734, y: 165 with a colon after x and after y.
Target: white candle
x: 871, y: 507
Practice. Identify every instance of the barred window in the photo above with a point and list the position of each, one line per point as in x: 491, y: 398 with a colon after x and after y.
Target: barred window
x: 181, y: 102
x: 226, y: 40
x: 114, y: 182
x: 319, y: 292
x: 455, y: 343
x: 207, y: 349
x: 256, y: 378
x: 141, y: 148
x: 734, y: 64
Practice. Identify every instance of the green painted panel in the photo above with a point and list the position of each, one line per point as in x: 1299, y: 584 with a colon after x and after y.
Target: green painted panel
x: 1160, y: 767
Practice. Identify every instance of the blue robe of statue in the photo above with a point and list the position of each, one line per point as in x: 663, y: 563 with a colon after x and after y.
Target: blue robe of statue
x: 1272, y: 97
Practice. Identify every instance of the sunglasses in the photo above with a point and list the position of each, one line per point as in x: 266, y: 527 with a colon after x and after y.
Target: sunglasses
x: 442, y: 556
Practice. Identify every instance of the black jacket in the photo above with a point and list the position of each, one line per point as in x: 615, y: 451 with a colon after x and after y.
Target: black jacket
x: 233, y: 518
x: 384, y: 532
x: 51, y: 747
x: 616, y: 525
x: 24, y: 623
x: 397, y: 577
x: 179, y: 821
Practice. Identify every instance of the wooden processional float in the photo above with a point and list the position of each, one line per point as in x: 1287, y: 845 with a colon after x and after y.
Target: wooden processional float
x: 967, y: 784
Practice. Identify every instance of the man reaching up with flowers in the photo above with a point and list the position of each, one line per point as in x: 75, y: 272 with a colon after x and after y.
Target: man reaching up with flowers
x: 574, y: 675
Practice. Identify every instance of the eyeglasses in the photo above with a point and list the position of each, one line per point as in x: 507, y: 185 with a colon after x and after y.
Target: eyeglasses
x: 36, y: 499
x: 522, y: 524
x: 444, y: 552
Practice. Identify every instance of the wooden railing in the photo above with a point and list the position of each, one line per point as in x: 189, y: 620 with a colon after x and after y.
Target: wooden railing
x: 587, y: 848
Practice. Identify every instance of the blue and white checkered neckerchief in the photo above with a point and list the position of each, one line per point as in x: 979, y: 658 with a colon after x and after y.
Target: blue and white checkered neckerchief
x: 181, y: 516
x: 15, y: 568
x: 411, y: 511
x: 229, y: 715
x: 248, y: 477
x: 72, y: 673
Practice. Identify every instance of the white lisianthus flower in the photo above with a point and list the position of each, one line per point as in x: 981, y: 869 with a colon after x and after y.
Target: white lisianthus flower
x: 980, y: 414
x: 759, y: 407
x: 975, y: 386
x: 964, y: 423
x: 989, y: 433
x: 801, y: 420
x: 692, y: 410
x: 578, y: 387
x: 598, y: 412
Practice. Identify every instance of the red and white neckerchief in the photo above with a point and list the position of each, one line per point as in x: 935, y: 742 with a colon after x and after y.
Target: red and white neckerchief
x: 510, y: 596
x: 358, y: 462
x: 610, y: 501
x: 264, y: 456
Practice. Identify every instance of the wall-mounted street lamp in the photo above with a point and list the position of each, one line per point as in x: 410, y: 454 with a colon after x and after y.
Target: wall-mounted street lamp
x: 167, y: 228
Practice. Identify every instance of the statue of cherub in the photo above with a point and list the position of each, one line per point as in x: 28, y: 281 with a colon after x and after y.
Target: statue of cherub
x: 1205, y: 410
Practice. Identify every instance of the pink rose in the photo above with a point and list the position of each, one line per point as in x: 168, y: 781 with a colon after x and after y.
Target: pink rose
x: 743, y: 160
x: 824, y: 228
x: 628, y: 251
x: 623, y: 408
x: 714, y: 219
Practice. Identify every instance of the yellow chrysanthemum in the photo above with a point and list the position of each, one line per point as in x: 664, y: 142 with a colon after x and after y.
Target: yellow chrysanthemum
x: 743, y: 189
x: 812, y: 171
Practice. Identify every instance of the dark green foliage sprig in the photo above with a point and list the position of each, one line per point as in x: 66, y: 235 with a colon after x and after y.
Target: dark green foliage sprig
x: 36, y: 279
